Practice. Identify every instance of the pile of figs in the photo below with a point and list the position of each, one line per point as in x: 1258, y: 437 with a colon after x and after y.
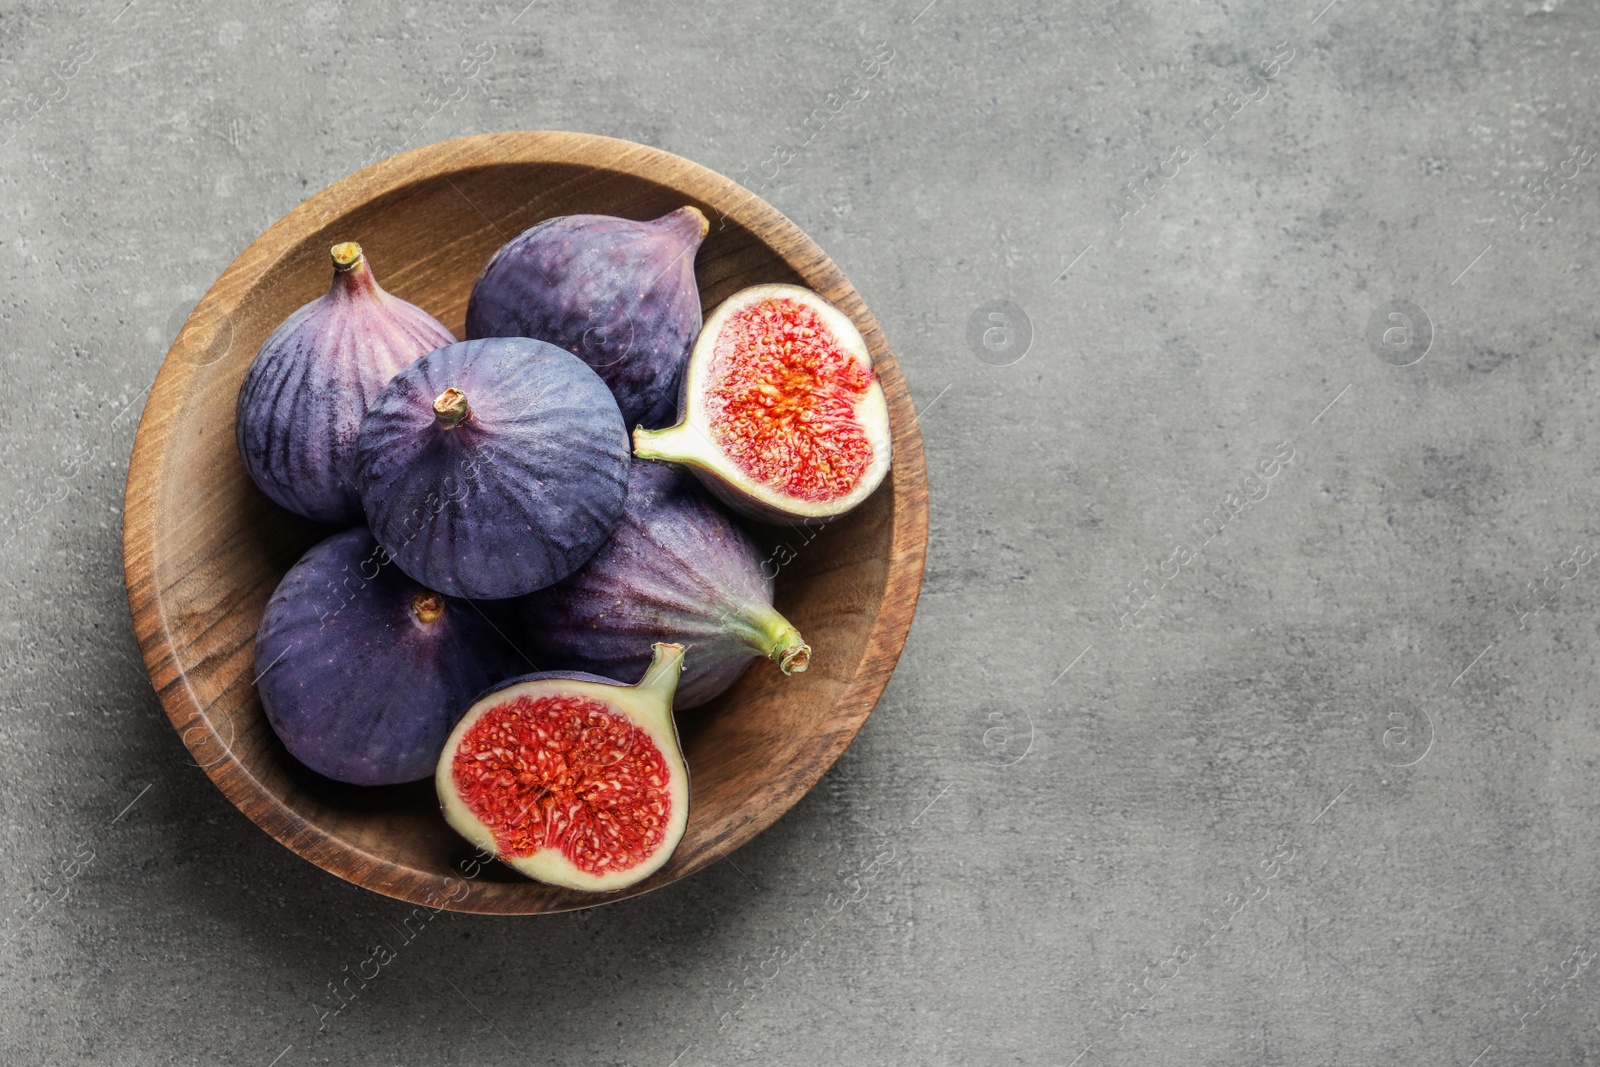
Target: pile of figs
x: 521, y: 592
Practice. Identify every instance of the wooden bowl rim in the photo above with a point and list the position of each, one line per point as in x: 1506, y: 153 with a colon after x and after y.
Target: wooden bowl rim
x: 148, y: 477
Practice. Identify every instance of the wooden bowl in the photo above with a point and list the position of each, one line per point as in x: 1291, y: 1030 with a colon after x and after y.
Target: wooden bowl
x: 204, y: 548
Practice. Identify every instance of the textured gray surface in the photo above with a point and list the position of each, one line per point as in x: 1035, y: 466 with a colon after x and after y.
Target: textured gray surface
x: 1325, y: 798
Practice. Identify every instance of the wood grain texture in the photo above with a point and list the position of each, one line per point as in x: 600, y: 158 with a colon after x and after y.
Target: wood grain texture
x: 204, y: 549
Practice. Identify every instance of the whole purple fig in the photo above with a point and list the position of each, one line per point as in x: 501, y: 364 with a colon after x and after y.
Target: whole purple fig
x: 619, y: 294
x: 304, y: 396
x: 362, y: 671
x: 493, y: 468
x: 678, y: 568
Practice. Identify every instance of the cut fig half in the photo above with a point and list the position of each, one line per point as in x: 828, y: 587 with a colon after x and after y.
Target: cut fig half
x: 572, y: 779
x: 782, y: 416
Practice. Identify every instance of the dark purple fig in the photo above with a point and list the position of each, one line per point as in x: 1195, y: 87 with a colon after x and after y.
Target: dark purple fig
x: 619, y: 294
x: 677, y: 568
x: 362, y: 671
x: 493, y: 468
x: 303, y: 397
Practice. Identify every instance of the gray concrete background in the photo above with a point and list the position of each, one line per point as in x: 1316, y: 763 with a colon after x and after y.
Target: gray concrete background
x: 1317, y: 790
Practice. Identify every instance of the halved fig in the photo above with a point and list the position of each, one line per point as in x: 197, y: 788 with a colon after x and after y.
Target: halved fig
x: 678, y: 568
x: 781, y: 414
x: 572, y: 779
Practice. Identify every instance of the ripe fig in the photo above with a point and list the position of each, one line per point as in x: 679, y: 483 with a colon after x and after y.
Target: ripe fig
x: 493, y: 468
x: 362, y: 671
x: 677, y: 568
x: 574, y: 780
x: 619, y: 294
x: 782, y: 416
x: 304, y: 396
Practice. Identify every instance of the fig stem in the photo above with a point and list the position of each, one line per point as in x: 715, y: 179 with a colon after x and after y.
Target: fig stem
x: 660, y: 679
x: 644, y: 441
x: 669, y: 443
x: 779, y: 641
x: 346, y: 256
x: 690, y: 211
x: 352, y: 277
x: 427, y: 607
x: 451, y: 408
x: 793, y: 656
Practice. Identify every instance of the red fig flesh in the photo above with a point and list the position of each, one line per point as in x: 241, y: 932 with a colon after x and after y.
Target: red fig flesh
x: 782, y: 415
x: 572, y: 779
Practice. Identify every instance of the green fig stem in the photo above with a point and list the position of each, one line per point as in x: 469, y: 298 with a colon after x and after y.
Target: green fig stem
x: 792, y: 655
x: 668, y: 443
x: 451, y: 408
x: 660, y: 679
x: 777, y: 639
x: 346, y: 256
x: 427, y: 607
x: 645, y: 442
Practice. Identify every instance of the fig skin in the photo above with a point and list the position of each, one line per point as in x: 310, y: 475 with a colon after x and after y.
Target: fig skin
x: 492, y: 468
x: 575, y: 812
x: 305, y: 394
x: 677, y: 568
x: 619, y: 294
x: 362, y: 671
